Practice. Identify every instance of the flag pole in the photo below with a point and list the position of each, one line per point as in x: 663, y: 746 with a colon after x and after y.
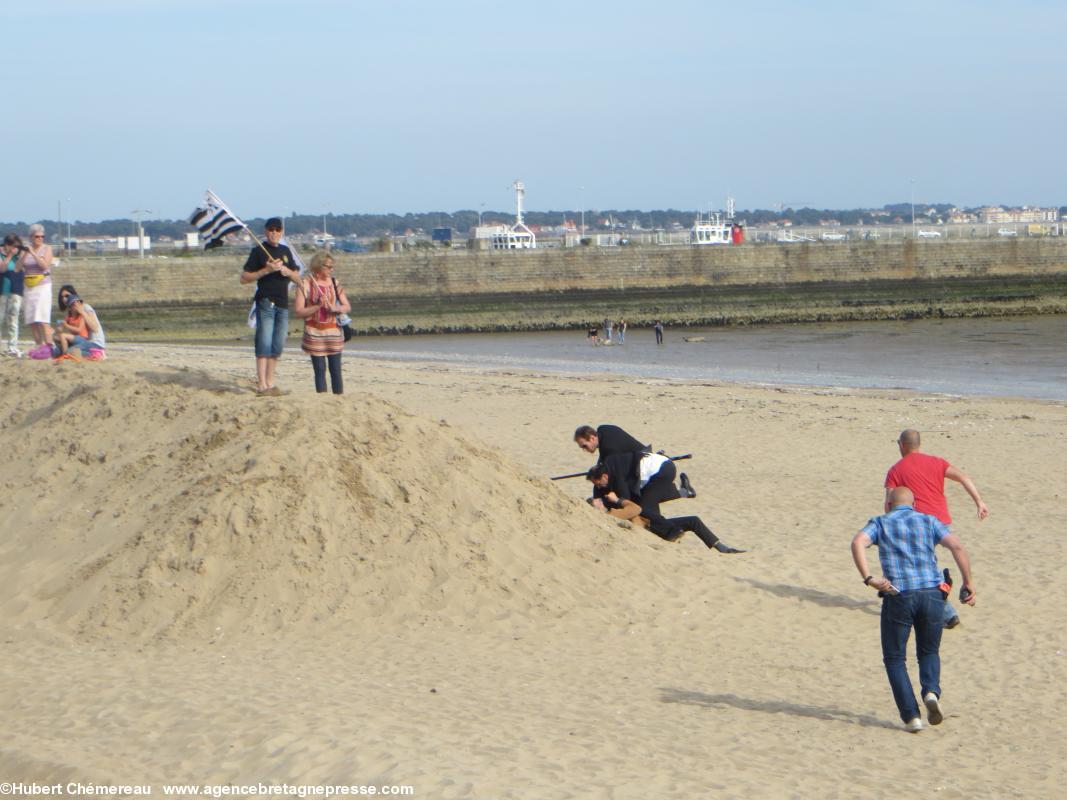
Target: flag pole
x: 257, y: 240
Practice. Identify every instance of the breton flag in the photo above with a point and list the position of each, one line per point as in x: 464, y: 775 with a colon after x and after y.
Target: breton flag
x: 215, y: 221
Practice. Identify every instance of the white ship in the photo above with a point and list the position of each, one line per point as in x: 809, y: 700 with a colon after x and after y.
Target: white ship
x: 716, y: 228
x: 515, y: 237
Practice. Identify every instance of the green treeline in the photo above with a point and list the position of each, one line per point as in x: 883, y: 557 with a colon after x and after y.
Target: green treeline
x: 378, y: 225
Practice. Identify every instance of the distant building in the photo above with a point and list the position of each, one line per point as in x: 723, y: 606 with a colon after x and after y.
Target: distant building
x: 995, y: 215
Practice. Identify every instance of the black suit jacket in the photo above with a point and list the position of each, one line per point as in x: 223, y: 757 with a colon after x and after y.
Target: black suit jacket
x: 612, y: 440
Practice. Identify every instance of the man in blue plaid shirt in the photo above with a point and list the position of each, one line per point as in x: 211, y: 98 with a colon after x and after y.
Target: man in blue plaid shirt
x: 912, y: 598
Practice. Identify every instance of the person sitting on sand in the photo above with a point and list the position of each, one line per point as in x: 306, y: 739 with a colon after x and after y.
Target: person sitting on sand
x: 81, y: 328
x: 634, y: 484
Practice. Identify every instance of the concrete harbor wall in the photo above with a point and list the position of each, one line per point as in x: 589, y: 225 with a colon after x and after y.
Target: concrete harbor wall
x: 374, y: 279
x: 446, y: 290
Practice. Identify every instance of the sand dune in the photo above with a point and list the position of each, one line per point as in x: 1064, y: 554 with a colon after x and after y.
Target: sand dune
x: 182, y: 505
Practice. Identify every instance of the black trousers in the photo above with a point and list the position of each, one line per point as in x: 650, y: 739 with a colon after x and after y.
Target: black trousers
x: 659, y: 489
x: 318, y: 363
x: 673, y: 527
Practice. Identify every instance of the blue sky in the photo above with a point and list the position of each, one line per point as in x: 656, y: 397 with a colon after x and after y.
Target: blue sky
x: 325, y: 106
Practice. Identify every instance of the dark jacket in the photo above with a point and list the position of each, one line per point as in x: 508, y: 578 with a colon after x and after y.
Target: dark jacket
x: 624, y: 475
x: 613, y: 440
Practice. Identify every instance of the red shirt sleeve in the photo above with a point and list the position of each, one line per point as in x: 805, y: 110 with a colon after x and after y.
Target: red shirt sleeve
x: 892, y: 481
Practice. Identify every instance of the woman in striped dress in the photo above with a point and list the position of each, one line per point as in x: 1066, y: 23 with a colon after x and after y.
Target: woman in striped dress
x: 318, y: 302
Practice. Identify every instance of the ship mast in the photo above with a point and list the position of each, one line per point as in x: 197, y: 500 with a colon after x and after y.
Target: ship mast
x: 520, y: 193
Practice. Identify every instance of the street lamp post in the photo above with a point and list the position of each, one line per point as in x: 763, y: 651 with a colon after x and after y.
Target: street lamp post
x: 913, y: 208
x: 581, y: 190
x: 66, y: 242
x: 140, y: 230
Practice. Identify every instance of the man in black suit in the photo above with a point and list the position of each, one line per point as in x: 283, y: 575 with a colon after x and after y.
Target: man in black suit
x: 611, y: 440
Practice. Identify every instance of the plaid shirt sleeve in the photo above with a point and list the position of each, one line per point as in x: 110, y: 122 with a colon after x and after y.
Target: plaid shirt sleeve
x: 873, y: 528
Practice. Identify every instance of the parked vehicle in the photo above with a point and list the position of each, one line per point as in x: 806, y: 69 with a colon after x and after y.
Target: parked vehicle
x: 929, y: 234
x: 834, y: 237
x: 1007, y: 232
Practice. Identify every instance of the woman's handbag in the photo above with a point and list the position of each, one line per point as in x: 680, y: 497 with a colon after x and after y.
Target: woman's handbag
x: 343, y: 320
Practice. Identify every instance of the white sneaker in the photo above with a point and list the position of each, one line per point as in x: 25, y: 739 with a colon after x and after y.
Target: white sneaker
x: 913, y: 725
x: 14, y: 352
x: 933, y: 709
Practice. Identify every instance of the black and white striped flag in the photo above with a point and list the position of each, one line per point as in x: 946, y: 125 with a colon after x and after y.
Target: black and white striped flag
x: 215, y: 221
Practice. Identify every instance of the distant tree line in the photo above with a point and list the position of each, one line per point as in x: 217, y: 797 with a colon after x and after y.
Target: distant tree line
x: 379, y: 225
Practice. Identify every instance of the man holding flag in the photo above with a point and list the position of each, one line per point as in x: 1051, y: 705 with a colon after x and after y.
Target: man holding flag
x: 271, y: 266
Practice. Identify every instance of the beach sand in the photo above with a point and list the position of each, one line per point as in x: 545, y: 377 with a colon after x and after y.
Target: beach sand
x: 201, y: 586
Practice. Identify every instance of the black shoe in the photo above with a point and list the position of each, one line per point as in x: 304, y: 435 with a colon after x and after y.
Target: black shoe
x: 953, y: 623
x: 687, y: 487
x: 725, y: 548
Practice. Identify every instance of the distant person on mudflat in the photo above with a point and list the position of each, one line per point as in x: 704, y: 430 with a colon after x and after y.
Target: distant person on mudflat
x: 610, y: 440
x: 592, y: 336
x: 658, y: 328
x: 318, y: 303
x: 925, y: 476
x: 620, y: 327
x: 271, y: 267
x: 632, y: 486
x: 911, y: 598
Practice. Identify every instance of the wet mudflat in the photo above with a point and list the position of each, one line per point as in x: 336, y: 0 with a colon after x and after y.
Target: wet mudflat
x: 1017, y: 356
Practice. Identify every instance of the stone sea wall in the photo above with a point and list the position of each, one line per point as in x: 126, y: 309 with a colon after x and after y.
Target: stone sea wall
x: 656, y: 280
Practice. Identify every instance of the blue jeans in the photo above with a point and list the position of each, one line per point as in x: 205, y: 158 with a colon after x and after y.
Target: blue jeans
x: 85, y: 345
x: 272, y: 326
x: 922, y: 609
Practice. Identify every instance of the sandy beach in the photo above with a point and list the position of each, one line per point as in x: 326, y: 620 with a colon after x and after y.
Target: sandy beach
x: 199, y: 586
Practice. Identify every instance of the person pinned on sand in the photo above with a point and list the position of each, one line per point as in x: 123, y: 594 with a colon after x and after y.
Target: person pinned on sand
x: 609, y: 440
x: 925, y: 476
x: 632, y: 485
x: 270, y: 266
x: 912, y: 597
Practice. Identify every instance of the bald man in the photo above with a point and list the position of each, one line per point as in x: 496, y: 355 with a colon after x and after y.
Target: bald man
x: 911, y: 598
x: 925, y: 476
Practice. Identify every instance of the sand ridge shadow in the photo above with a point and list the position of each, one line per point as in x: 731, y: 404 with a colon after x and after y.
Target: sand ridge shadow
x: 193, y: 379
x: 689, y: 697
x: 815, y: 596
x: 32, y: 418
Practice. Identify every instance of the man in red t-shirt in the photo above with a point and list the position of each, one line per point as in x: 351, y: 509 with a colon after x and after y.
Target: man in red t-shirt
x: 925, y: 476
